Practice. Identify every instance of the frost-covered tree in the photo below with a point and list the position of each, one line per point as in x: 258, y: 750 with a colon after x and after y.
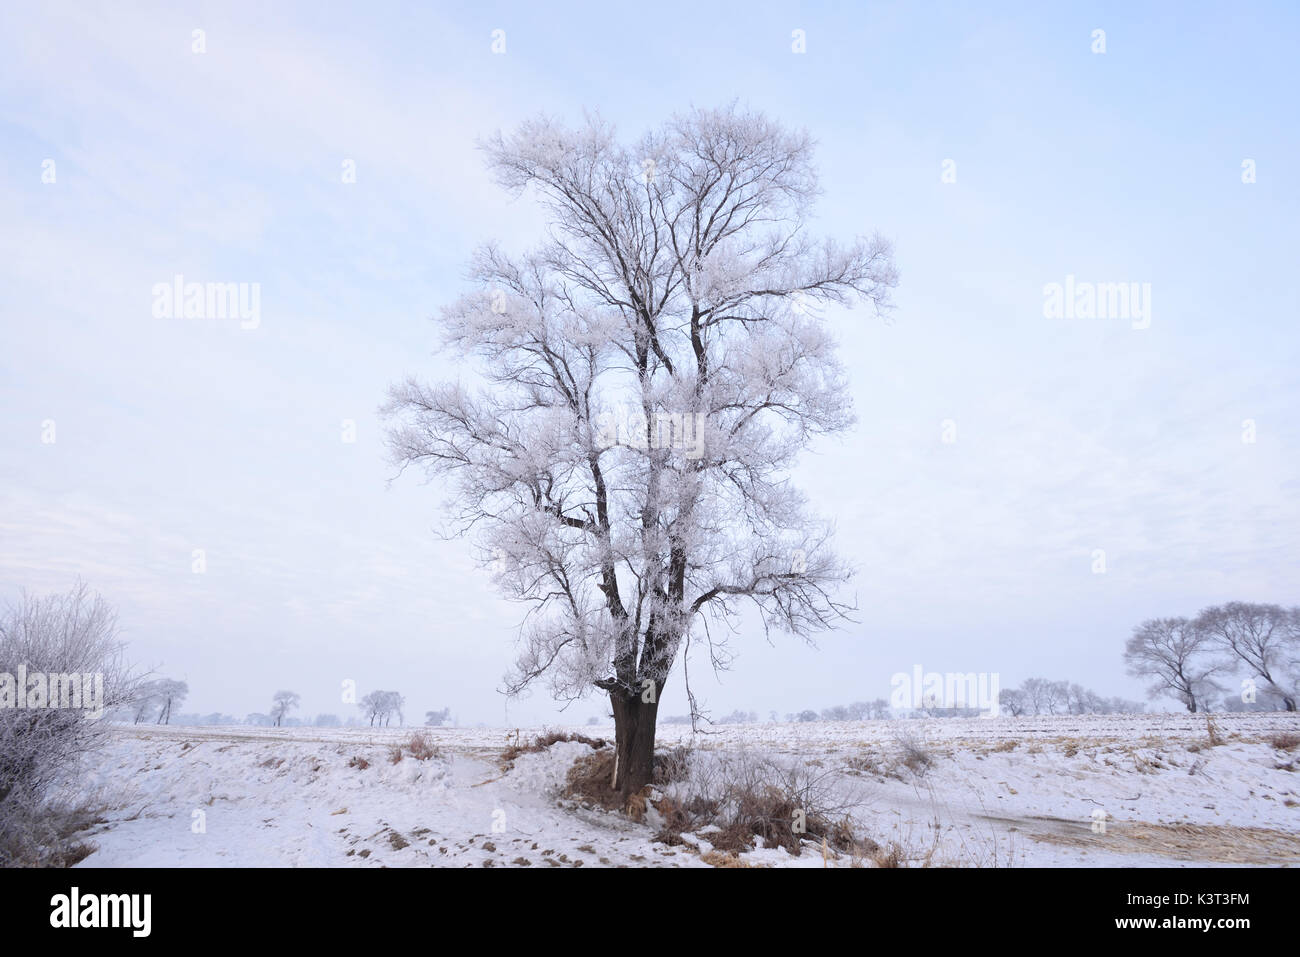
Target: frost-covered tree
x: 1173, y: 652
x: 1263, y: 638
x: 281, y: 704
x: 168, y: 693
x: 436, y: 719
x: 653, y: 370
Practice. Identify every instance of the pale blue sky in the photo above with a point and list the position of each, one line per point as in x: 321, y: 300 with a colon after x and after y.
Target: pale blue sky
x: 1074, y: 435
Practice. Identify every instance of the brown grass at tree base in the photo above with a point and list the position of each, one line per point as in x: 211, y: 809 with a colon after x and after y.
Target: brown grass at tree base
x: 590, y: 781
x: 736, y: 804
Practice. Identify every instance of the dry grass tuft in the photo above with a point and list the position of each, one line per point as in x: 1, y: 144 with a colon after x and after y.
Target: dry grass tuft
x: 421, y: 747
x: 724, y: 859
x: 1285, y: 740
x: 1212, y: 730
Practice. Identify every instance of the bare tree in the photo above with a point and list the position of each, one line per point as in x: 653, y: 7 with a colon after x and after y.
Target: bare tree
x: 371, y: 706
x: 1265, y: 638
x: 1041, y: 695
x: 1172, y: 651
x: 1014, y: 701
x: 282, y: 703
x: 380, y: 706
x: 394, y: 704
x: 436, y: 719
x: 655, y: 368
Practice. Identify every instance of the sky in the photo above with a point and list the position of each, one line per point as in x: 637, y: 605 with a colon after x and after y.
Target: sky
x: 997, y: 449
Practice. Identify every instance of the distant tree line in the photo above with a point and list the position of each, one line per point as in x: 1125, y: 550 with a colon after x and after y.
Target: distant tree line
x: 1041, y: 696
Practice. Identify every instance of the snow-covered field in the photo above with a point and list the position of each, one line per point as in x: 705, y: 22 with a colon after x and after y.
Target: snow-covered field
x: 1137, y: 790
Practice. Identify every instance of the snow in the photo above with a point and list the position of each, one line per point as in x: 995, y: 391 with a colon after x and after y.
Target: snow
x: 1137, y: 790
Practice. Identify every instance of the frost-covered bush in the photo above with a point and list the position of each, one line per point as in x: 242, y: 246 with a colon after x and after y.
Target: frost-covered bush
x: 45, y: 641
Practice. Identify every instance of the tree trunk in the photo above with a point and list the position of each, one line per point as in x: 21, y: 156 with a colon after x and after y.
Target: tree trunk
x: 634, y: 741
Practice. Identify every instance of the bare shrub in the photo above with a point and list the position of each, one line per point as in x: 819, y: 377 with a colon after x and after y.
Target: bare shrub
x: 73, y: 633
x: 915, y: 753
x: 865, y: 763
x: 672, y: 765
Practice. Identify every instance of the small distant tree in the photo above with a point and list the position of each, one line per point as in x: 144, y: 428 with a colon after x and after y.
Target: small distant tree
x: 379, y: 707
x: 145, y: 704
x: 282, y: 703
x: 1173, y: 652
x: 371, y: 705
x: 436, y: 719
x: 169, y: 693
x: 1014, y: 701
x: 1046, y: 697
x: 394, y: 704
